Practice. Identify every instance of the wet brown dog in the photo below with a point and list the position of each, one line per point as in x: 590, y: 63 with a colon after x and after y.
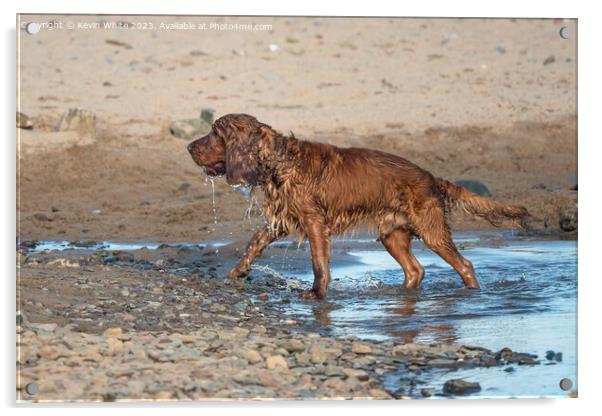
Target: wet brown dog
x: 318, y: 190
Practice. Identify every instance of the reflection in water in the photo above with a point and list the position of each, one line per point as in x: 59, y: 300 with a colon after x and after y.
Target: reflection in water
x: 527, y: 302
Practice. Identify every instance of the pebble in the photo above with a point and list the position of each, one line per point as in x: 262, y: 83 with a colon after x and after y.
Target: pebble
x: 474, y: 186
x: 361, y: 349
x: 113, y: 332
x: 189, y: 129
x: 568, y: 219
x: 43, y: 329
x: 293, y: 346
x: 442, y: 363
x: 24, y: 122
x: 460, y: 387
x: 252, y: 356
x: 320, y: 354
x: 359, y: 374
x: 549, y: 60
x: 275, y: 361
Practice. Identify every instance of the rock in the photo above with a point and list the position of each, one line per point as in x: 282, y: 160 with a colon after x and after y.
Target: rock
x: 425, y: 393
x: 549, y: 60
x: 539, y: 186
x: 189, y: 129
x: 43, y: 329
x: 263, y: 297
x: 320, y: 354
x: 216, y: 308
x: 29, y: 243
x: 379, y: 394
x: 500, y: 49
x: 333, y: 370
x: 118, y: 43
x: 525, y: 359
x: 568, y: 219
x: 558, y: 357
x: 208, y: 115
x: 135, y: 388
x: 84, y: 243
x: 275, y: 361
x: 550, y: 355
x: 505, y: 354
x: 474, y: 186
x: 24, y: 122
x: 22, y: 319
x: 21, y: 258
x: 113, y: 346
x: 359, y: 374
x: 113, y: 333
x: 79, y: 120
x: 460, y: 387
x: 293, y: 346
x: 442, y: 363
x: 336, y: 387
x: 252, y: 356
x: 361, y: 348
x: 42, y: 217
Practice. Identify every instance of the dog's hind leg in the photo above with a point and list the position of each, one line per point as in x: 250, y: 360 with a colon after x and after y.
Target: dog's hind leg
x: 260, y: 240
x: 436, y: 234
x: 399, y: 245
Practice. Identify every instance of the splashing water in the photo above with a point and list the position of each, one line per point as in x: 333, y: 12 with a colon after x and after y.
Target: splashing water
x: 290, y: 283
x: 244, y: 190
x: 213, y: 207
x: 267, y: 269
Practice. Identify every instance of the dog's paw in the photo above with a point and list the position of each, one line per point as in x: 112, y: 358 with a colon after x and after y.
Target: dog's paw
x: 238, y: 272
x: 310, y: 294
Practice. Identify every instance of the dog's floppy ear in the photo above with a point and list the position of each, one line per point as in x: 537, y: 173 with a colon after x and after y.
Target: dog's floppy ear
x: 241, y: 163
x: 240, y: 136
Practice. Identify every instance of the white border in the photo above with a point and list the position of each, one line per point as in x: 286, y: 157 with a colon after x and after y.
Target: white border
x: 589, y: 201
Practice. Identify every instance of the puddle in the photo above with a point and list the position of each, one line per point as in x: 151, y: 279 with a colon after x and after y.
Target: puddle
x: 527, y: 302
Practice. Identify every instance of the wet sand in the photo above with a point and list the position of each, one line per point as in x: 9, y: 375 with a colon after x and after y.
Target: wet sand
x: 465, y: 99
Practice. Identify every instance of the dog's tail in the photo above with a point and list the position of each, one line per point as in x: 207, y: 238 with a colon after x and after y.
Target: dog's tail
x: 495, y: 212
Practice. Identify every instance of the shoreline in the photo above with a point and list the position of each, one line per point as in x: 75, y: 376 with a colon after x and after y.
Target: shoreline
x: 165, y: 324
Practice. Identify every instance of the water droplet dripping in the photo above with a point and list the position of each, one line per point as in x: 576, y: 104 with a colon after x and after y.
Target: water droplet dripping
x: 213, y: 208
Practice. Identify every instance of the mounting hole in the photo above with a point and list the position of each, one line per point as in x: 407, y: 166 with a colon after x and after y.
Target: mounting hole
x: 32, y: 28
x: 31, y: 388
x: 565, y: 32
x: 566, y: 384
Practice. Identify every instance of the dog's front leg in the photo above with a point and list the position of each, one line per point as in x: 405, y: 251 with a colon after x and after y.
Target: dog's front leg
x: 261, y: 239
x: 319, y: 241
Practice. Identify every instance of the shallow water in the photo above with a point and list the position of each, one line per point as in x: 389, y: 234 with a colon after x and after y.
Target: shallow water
x: 527, y: 302
x: 58, y: 245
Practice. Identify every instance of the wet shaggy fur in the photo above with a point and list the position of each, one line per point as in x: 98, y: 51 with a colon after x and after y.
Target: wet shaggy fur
x: 318, y: 190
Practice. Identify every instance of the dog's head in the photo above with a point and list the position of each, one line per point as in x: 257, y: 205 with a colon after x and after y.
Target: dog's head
x: 231, y: 148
